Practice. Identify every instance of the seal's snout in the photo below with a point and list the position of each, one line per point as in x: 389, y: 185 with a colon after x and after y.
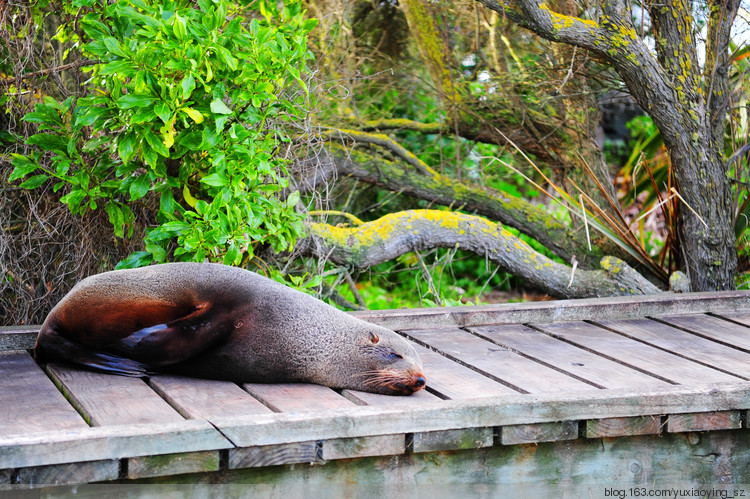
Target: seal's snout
x: 418, y: 382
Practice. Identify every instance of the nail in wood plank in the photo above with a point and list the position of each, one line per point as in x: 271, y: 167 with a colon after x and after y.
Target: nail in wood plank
x: 567, y: 357
x: 684, y: 343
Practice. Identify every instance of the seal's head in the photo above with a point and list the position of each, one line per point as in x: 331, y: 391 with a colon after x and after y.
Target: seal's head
x: 375, y: 360
x: 397, y: 368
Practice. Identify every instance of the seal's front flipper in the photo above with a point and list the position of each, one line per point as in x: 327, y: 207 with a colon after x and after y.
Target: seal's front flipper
x: 177, y: 340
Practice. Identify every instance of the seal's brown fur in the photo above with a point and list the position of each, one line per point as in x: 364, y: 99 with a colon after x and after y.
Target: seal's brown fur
x: 214, y: 321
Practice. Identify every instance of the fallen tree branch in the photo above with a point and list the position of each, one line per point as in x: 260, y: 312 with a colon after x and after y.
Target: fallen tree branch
x: 398, y: 233
x: 518, y: 213
x: 381, y: 140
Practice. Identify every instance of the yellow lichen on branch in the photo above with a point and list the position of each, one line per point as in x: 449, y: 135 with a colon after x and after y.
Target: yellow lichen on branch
x: 561, y: 21
x: 402, y: 124
x: 353, y: 218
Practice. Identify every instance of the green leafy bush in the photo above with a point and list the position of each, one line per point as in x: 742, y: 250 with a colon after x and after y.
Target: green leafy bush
x: 185, y: 104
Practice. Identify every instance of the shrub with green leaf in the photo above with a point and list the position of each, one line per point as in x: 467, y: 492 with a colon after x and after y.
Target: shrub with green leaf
x: 187, y: 106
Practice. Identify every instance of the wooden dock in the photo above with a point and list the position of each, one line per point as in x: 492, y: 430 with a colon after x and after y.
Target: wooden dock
x: 616, y: 392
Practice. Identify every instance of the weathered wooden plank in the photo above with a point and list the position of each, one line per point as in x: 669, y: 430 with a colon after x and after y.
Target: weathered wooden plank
x: 636, y: 354
x: 358, y: 421
x: 522, y: 373
x: 202, y: 398
x: 705, y: 466
x: 296, y: 397
x: 454, y: 381
x: 713, y: 328
x: 743, y: 317
x: 106, y: 399
x: 273, y: 455
x: 173, y: 464
x: 71, y: 473
x: 704, y: 421
x: 415, y: 400
x: 683, y: 343
x: 566, y: 357
x: 469, y: 438
x: 18, y: 337
x: 346, y: 448
x: 109, y: 442
x: 30, y: 402
x: 622, y: 307
x: 535, y: 433
x: 622, y: 427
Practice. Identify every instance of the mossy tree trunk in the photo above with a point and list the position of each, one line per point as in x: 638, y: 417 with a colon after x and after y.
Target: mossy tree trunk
x: 425, y: 29
x: 559, y: 138
x: 688, y: 106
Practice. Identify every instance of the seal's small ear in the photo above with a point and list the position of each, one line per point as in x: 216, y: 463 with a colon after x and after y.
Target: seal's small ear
x: 374, y: 338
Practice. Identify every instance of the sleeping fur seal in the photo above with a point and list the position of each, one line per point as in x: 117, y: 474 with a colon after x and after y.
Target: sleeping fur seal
x: 214, y: 321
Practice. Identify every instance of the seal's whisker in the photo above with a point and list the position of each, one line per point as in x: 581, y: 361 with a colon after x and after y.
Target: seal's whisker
x: 365, y: 374
x: 385, y: 377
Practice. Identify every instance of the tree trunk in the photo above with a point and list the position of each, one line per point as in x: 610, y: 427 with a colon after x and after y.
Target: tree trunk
x: 694, y: 138
x: 706, y: 229
x: 688, y: 108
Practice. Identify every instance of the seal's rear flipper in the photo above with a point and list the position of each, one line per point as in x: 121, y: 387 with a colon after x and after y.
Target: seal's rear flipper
x: 111, y: 338
x: 113, y: 364
x: 66, y: 350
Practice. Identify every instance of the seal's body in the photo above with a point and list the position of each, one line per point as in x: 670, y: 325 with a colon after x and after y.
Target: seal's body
x: 214, y: 321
